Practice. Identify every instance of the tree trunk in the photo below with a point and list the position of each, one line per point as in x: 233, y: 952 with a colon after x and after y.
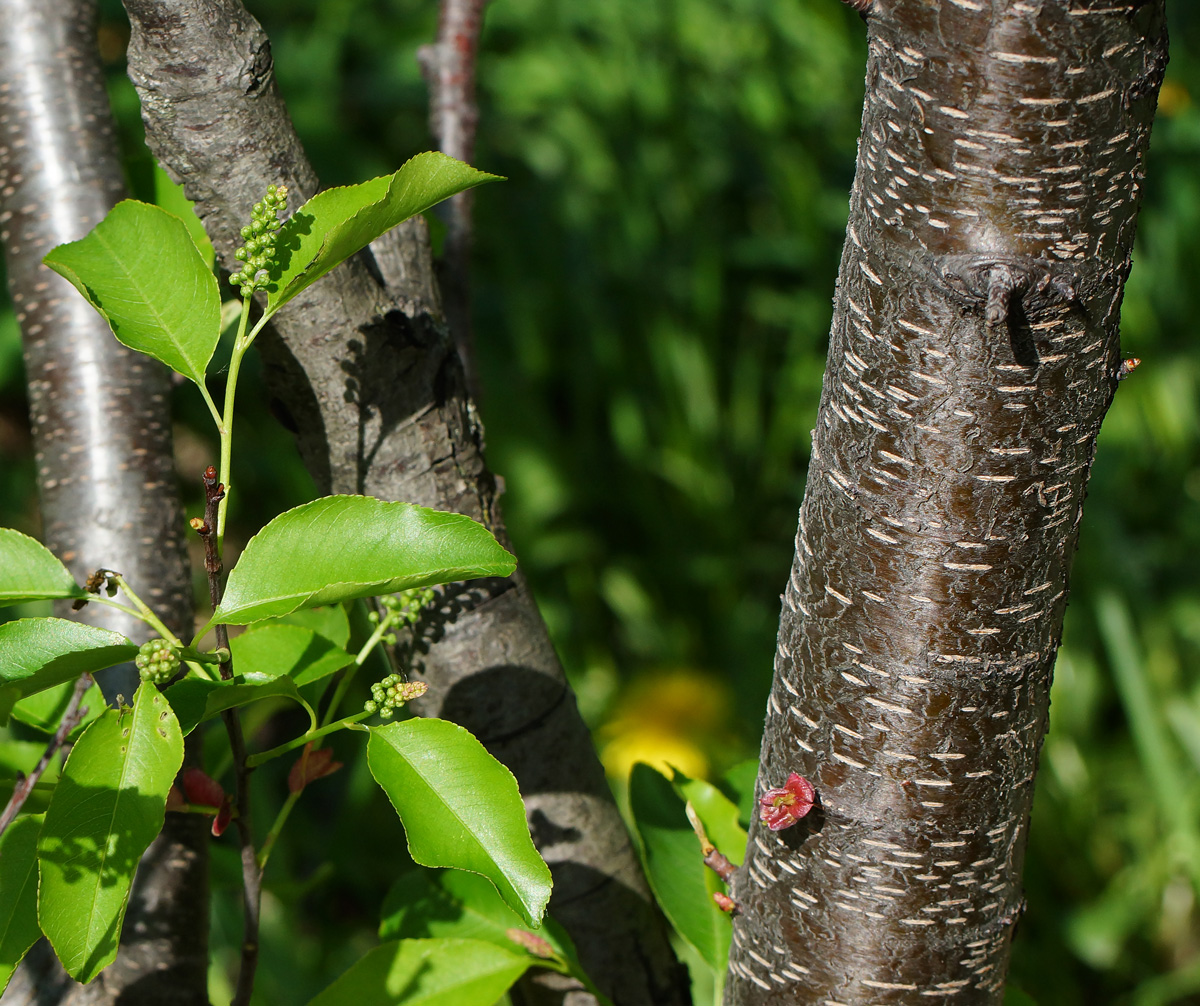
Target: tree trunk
x: 974, y: 352
x: 362, y: 369
x: 102, y: 436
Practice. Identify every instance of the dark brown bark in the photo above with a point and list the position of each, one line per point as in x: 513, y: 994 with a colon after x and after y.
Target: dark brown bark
x: 974, y: 353
x: 102, y: 437
x: 449, y: 67
x: 361, y: 367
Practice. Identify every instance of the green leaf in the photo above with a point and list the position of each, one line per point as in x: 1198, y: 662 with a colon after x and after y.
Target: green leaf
x: 427, y: 973
x: 44, y: 710
x: 341, y: 547
x: 270, y: 651
x: 738, y: 784
x: 336, y: 223
x: 196, y: 699
x: 717, y: 813
x: 171, y: 198
x: 107, y: 808
x: 18, y: 893
x: 675, y: 866
x: 29, y: 571
x: 142, y: 272
x: 1013, y: 996
x: 460, y: 808
x: 37, y: 653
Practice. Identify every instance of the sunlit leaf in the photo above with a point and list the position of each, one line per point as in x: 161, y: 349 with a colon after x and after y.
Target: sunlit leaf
x: 141, y: 270
x: 37, y: 653
x: 18, y: 893
x: 427, y: 973
x: 341, y: 547
x: 107, y: 808
x: 336, y: 223
x: 29, y: 571
x: 460, y: 808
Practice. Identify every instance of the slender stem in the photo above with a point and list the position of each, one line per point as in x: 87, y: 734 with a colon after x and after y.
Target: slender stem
x: 108, y: 602
x: 212, y: 408
x: 265, y: 756
x: 225, y: 427
x: 214, y: 496
x: 280, y: 820
x: 147, y: 615
x: 70, y: 720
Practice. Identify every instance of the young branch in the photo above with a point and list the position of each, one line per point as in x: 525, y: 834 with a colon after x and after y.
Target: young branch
x: 71, y: 718
x: 214, y: 493
x: 448, y: 66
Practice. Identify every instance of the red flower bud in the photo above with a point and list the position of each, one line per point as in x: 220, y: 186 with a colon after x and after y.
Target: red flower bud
x: 781, y: 808
x: 311, y: 765
x: 224, y: 816
x: 725, y: 902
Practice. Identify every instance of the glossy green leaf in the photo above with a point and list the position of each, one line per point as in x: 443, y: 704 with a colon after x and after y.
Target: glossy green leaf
x: 107, y: 808
x: 29, y: 571
x: 336, y: 223
x: 341, y: 547
x: 271, y: 651
x: 43, y: 710
x: 171, y: 198
x: 682, y: 884
x: 196, y: 699
x: 427, y: 973
x: 18, y: 893
x: 141, y: 270
x: 717, y: 813
x: 460, y: 808
x: 37, y: 653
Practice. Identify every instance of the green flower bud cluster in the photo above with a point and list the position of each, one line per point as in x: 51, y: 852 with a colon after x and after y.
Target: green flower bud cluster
x: 258, y: 253
x: 392, y: 692
x: 157, y: 661
x: 404, y: 608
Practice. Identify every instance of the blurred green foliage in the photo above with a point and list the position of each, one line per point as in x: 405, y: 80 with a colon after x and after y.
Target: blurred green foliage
x: 653, y: 293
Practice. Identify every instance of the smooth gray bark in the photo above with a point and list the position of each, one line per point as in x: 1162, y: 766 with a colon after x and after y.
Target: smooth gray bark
x: 102, y: 436
x: 974, y: 353
x: 361, y: 368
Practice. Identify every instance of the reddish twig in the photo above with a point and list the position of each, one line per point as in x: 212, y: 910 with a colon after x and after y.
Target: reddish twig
x: 214, y: 492
x: 71, y: 718
x: 448, y: 65
x: 714, y: 860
